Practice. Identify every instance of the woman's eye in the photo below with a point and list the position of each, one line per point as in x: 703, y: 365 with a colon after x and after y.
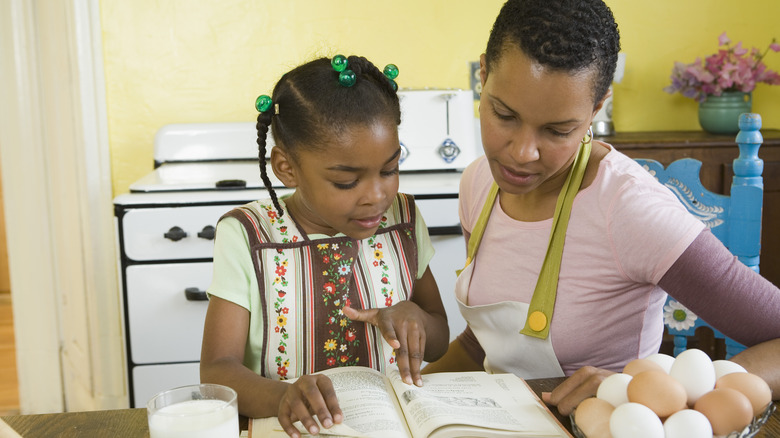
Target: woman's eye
x: 503, y: 116
x: 557, y: 133
x: 390, y: 172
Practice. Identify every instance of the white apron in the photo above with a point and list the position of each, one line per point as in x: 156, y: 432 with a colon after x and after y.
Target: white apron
x: 498, y: 326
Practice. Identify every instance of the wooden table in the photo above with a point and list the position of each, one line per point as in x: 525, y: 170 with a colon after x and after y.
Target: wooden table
x: 131, y: 423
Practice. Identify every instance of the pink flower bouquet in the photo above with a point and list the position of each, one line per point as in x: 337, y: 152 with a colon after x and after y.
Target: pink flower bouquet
x: 733, y: 68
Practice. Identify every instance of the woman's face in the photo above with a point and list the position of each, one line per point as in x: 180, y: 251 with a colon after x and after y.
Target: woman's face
x: 533, y: 121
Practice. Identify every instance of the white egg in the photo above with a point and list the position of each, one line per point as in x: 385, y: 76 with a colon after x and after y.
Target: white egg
x: 633, y: 420
x: 614, y: 390
x: 694, y: 370
x: 687, y: 424
x: 664, y: 360
x: 723, y: 367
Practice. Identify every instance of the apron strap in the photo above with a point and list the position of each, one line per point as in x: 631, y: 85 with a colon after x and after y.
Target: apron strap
x: 540, y: 310
x: 479, y: 227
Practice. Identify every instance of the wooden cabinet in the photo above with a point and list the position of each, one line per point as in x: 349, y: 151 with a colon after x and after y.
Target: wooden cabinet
x: 717, y: 152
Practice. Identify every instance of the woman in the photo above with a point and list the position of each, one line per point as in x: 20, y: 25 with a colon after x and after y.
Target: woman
x: 572, y: 245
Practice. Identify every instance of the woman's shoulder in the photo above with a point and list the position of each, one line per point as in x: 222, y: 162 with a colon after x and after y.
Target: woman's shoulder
x: 618, y: 170
x: 476, y: 178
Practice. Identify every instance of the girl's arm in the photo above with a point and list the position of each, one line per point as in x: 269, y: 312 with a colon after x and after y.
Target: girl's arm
x: 221, y: 362
x: 416, y: 329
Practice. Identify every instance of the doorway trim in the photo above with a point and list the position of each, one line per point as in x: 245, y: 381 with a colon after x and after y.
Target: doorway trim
x: 58, y: 204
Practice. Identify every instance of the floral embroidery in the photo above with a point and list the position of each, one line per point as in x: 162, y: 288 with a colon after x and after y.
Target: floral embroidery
x: 342, y: 338
x: 335, y: 295
x: 678, y: 317
x: 379, y: 261
x: 281, y: 284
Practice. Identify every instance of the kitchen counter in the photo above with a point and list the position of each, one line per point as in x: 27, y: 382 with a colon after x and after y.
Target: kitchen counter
x: 131, y: 423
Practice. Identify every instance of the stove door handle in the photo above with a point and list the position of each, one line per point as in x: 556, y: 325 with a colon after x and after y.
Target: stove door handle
x: 207, y: 232
x: 175, y: 234
x: 195, y: 294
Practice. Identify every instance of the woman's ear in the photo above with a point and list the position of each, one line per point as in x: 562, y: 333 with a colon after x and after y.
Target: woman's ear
x: 482, y: 69
x: 601, y: 103
x: 283, y: 167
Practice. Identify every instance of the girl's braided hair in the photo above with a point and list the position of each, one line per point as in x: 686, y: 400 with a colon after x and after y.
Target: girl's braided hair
x: 313, y: 108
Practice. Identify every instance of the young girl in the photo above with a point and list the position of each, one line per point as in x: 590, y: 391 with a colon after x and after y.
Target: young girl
x: 334, y: 274
x: 543, y: 298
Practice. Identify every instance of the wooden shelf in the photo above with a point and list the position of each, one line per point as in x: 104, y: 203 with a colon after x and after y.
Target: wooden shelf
x: 717, y: 152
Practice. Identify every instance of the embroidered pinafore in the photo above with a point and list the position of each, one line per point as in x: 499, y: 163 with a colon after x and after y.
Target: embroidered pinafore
x: 304, y: 285
x: 515, y: 335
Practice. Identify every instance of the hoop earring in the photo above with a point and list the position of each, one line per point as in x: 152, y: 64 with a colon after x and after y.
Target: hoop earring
x: 588, y: 137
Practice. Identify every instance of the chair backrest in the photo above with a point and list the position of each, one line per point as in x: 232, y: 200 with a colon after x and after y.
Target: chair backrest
x: 734, y: 219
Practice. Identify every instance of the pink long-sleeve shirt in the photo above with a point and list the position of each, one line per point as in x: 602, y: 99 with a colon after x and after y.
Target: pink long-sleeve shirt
x: 625, y: 234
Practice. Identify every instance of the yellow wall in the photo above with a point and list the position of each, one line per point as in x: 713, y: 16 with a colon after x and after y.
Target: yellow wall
x: 180, y: 61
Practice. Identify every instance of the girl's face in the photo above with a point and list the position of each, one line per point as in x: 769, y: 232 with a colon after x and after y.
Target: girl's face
x: 533, y: 121
x: 345, y: 186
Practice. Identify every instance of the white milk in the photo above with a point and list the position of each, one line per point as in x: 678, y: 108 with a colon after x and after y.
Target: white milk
x: 195, y: 419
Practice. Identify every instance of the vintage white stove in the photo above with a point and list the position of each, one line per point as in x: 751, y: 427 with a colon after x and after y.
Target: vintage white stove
x: 165, y: 225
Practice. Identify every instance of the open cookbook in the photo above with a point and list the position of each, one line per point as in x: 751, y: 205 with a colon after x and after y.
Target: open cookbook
x: 474, y: 404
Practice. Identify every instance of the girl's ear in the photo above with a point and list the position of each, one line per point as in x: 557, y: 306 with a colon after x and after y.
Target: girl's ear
x: 283, y: 167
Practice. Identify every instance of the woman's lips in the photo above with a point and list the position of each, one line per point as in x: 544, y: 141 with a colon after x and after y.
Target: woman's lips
x: 517, y: 177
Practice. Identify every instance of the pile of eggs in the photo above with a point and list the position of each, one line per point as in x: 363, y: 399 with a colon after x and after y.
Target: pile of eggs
x: 689, y: 396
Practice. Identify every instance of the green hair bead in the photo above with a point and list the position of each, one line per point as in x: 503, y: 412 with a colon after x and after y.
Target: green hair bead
x: 263, y: 103
x: 339, y: 63
x: 347, y: 78
x: 391, y: 71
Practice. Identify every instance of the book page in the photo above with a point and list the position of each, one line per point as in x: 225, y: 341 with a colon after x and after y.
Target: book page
x: 367, y: 401
x: 488, y: 401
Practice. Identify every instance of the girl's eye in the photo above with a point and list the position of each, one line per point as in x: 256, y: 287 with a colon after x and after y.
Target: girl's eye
x: 346, y: 186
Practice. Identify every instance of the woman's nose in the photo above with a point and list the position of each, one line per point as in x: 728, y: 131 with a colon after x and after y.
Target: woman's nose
x: 524, y: 146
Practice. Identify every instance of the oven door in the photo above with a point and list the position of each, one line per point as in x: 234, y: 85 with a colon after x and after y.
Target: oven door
x: 441, y: 217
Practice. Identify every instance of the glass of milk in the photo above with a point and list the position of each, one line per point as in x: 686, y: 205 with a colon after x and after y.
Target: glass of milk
x: 195, y: 411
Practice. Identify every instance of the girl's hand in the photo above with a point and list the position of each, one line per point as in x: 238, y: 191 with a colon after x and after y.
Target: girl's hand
x: 309, y: 395
x: 402, y: 325
x: 582, y: 384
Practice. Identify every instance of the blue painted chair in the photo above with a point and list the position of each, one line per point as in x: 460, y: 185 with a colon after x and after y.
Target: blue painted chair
x: 734, y: 219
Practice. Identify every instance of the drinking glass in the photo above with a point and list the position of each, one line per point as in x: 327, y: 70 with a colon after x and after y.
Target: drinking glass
x: 195, y: 411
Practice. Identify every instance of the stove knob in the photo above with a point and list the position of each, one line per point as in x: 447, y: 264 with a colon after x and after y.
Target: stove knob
x: 404, y: 153
x: 449, y: 150
x: 207, y: 232
x: 175, y: 234
x: 195, y: 294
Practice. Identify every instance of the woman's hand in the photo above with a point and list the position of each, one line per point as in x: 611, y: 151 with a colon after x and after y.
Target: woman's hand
x: 582, y: 384
x: 403, y: 328
x: 310, y: 395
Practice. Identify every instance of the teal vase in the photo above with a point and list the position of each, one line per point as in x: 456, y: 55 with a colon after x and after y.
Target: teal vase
x: 720, y: 114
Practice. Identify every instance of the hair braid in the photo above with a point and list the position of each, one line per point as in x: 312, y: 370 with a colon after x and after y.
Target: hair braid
x: 263, y: 122
x: 360, y: 64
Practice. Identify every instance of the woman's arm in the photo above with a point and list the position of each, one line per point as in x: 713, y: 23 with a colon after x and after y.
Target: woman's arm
x: 221, y: 362
x: 763, y: 360
x: 457, y: 358
x: 717, y: 287
x: 712, y: 283
x: 741, y: 304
